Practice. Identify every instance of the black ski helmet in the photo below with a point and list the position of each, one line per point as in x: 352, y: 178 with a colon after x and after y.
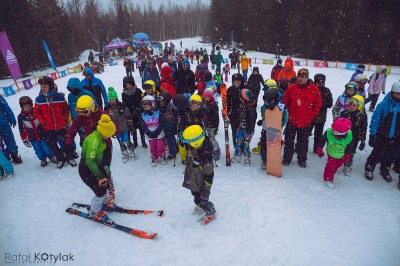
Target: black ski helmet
x: 256, y: 69
x: 165, y: 97
x: 180, y: 102
x: 283, y: 83
x: 271, y: 98
x: 207, y: 76
x: 46, y: 80
x: 279, y: 61
x: 319, y: 77
x: 237, y: 76
x: 25, y: 100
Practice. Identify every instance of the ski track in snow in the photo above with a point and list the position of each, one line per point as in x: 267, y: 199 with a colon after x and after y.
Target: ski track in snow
x: 261, y: 220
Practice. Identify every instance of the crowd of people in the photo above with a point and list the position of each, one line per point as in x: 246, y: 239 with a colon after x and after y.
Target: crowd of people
x: 176, y: 112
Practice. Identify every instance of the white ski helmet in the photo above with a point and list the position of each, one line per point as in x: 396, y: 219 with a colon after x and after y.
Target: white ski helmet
x: 164, y: 65
x: 148, y: 99
x: 396, y: 87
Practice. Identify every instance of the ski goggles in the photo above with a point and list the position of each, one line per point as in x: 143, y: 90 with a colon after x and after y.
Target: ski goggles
x: 351, y: 87
x: 183, y: 140
x: 147, y: 87
x: 81, y: 111
x: 362, y: 81
x: 195, y: 103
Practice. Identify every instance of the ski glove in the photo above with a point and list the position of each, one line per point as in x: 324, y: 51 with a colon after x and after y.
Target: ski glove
x: 320, y: 152
x: 362, y: 145
x: 346, y: 158
x: 27, y: 143
x: 103, y: 182
x: 372, y: 140
x: 259, y: 123
x: 12, y: 125
x: 383, y: 92
x: 196, y: 162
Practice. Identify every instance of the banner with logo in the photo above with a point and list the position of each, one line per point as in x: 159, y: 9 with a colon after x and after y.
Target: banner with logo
x: 8, y: 91
x: 53, y: 66
x: 27, y: 84
x: 9, y: 56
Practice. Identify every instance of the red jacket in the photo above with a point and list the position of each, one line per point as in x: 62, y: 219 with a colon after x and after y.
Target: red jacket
x: 51, y: 111
x: 303, y: 102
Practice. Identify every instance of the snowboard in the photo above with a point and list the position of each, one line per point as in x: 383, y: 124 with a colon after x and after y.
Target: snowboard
x: 226, y: 123
x: 273, y: 121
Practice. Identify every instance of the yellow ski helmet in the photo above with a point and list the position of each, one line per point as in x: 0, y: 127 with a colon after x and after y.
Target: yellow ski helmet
x: 149, y: 83
x: 84, y: 104
x: 271, y: 84
x: 358, y: 99
x: 193, y: 135
x: 195, y: 98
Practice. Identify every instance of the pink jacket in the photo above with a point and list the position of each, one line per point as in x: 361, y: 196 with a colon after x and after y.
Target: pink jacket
x: 377, y: 82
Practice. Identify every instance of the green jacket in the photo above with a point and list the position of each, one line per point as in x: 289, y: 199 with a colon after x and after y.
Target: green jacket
x: 336, y: 147
x: 92, y: 152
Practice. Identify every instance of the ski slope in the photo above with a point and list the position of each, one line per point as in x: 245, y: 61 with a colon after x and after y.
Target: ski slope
x: 262, y: 220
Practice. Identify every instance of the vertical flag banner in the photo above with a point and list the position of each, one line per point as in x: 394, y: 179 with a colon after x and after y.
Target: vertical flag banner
x: 53, y: 66
x: 9, y: 56
x: 27, y: 84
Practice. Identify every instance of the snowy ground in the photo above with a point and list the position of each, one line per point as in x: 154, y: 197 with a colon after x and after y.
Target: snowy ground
x: 262, y: 220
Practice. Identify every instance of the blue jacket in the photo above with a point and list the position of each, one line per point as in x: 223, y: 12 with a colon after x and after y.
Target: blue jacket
x: 386, y: 118
x: 72, y: 99
x: 97, y: 88
x: 151, y: 75
x: 6, y: 114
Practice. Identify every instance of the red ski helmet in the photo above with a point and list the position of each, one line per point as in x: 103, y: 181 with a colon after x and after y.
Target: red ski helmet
x: 341, y: 126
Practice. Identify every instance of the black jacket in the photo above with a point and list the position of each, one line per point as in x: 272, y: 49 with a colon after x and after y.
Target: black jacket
x: 185, y: 81
x: 211, y: 118
x: 327, y: 102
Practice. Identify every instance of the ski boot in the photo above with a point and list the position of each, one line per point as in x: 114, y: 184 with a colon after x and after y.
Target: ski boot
x: 154, y: 163
x: 100, y: 216
x: 60, y: 165
x: 347, y: 171
x: 75, y: 155
x: 329, y: 184
x: 197, y: 210
x: 111, y: 194
x: 386, y: 176
x: 110, y: 206
x: 54, y: 160
x: 256, y: 149
x: 131, y: 150
x: 207, y: 218
x: 369, y: 172
x: 43, y: 162
x: 72, y: 163
x: 210, y: 212
x: 163, y: 161
x: 302, y: 164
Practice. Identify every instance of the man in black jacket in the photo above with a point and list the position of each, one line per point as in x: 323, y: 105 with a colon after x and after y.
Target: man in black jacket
x: 185, y: 79
x: 233, y: 103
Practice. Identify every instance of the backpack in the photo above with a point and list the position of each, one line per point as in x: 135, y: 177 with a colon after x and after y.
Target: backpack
x: 375, y: 77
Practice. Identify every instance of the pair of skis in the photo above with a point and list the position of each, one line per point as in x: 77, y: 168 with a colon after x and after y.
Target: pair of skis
x: 131, y: 231
x: 226, y: 123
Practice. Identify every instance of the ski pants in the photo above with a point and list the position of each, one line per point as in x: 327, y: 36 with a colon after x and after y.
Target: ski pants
x: 52, y: 137
x: 318, y: 132
x: 245, y: 75
x: 171, y: 141
x: 157, y: 148
x: 384, y: 145
x: 211, y: 133
x: 373, y: 98
x: 331, y: 166
x: 6, y: 165
x: 128, y: 71
x: 243, y: 142
x: 123, y: 136
x: 263, y: 145
x: 218, y: 67
x: 302, y: 142
x: 41, y: 149
x: 8, y: 144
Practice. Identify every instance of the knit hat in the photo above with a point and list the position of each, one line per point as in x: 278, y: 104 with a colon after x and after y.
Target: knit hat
x: 106, y: 126
x: 112, y: 94
x: 302, y: 73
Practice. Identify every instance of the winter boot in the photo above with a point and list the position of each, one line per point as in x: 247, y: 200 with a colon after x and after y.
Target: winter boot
x: 369, y: 172
x: 347, y: 171
x: 302, y: 164
x: 246, y: 160
x: 163, y: 161
x: 386, y: 175
x: 263, y: 165
x: 197, y: 210
x: 285, y: 162
x: 170, y: 156
x: 43, y: 162
x: 131, y: 151
x: 101, y: 216
x: 154, y: 163
x: 72, y: 163
x: 329, y: 184
x: 54, y: 160
x: 16, y: 158
x: 60, y: 165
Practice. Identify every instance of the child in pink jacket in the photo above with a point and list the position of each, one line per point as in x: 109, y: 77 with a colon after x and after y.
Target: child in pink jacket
x: 377, y: 84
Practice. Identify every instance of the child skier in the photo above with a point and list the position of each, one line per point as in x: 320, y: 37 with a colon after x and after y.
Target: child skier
x: 119, y: 113
x: 30, y: 133
x: 356, y: 114
x: 199, y: 171
x: 247, y: 121
x: 218, y: 80
x: 377, y: 84
x: 342, y: 102
x: 169, y: 123
x: 271, y: 99
x: 151, y: 124
x: 227, y: 71
x: 211, y: 120
x: 92, y: 171
x: 339, y: 148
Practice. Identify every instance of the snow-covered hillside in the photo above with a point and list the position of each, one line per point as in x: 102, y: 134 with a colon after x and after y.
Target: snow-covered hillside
x: 262, y: 220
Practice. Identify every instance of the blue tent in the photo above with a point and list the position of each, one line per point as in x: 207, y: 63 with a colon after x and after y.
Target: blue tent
x: 140, y: 39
